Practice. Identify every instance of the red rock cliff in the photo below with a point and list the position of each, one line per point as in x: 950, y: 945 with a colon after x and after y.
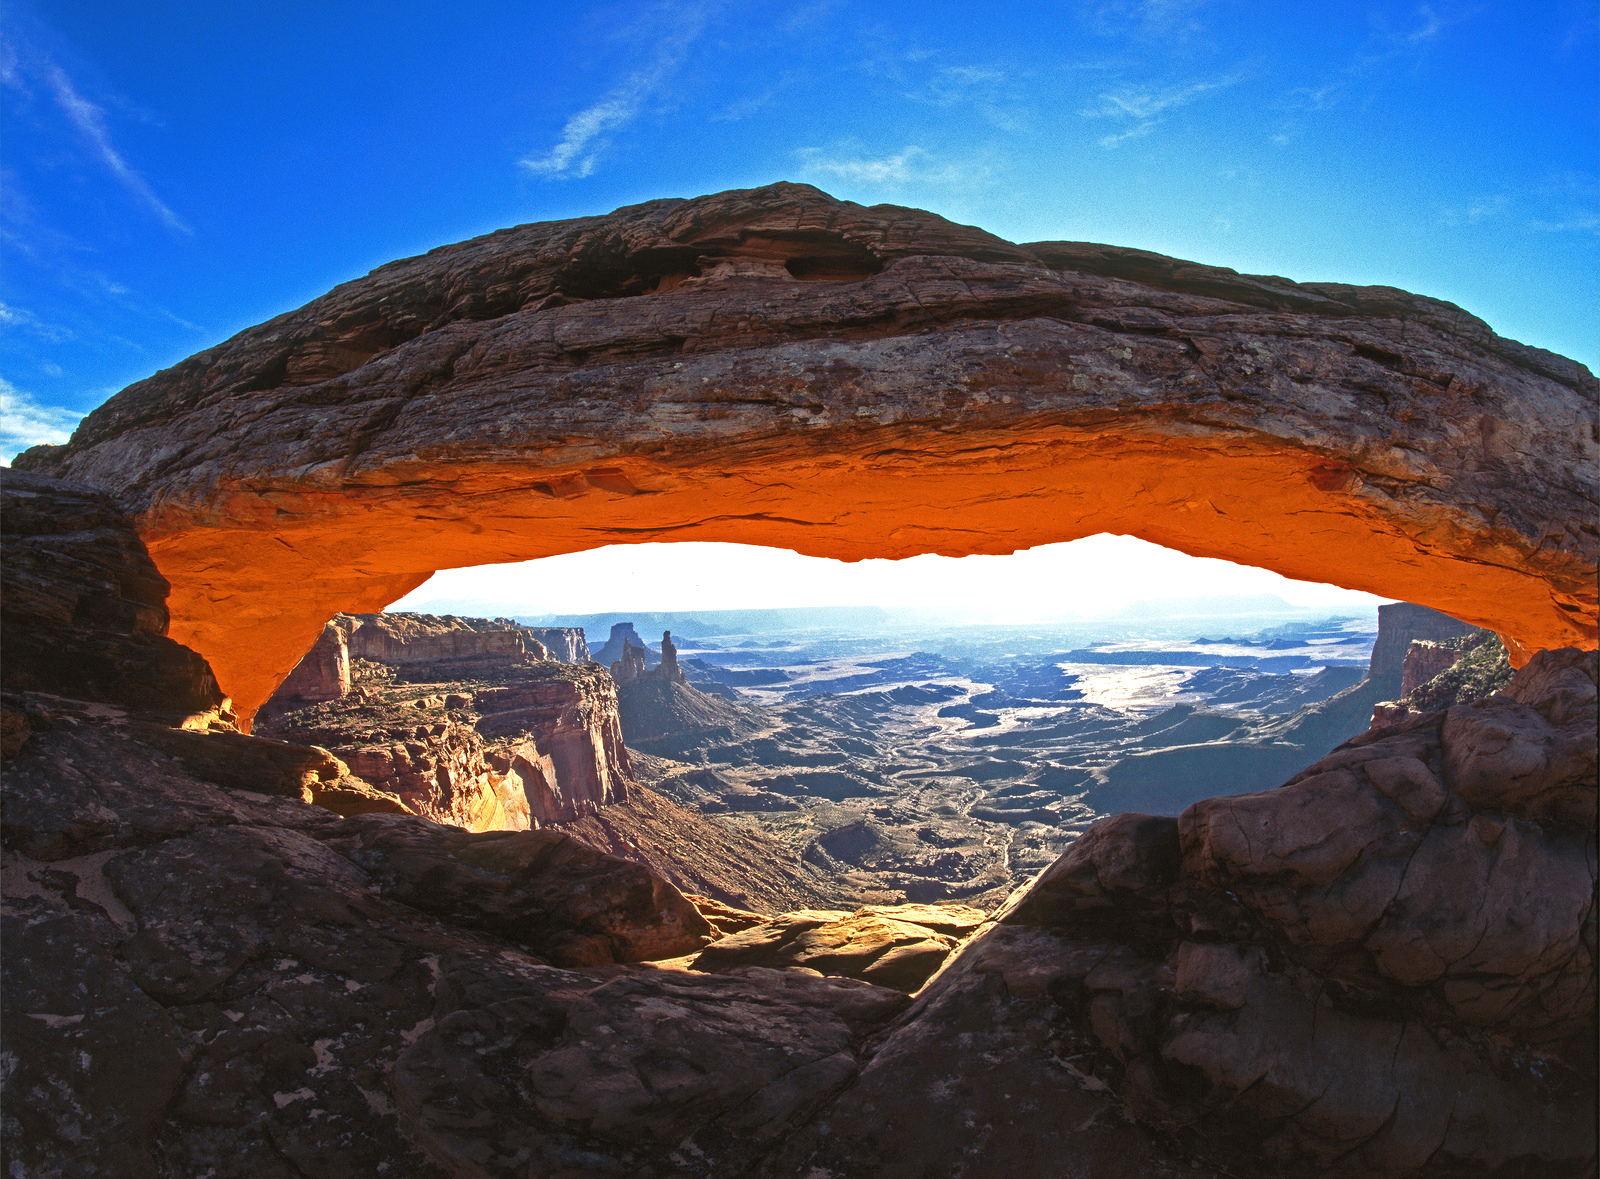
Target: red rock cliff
x: 547, y: 749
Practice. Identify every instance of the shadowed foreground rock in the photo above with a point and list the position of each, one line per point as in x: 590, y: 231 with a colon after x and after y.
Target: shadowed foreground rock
x: 773, y: 366
x: 1384, y: 967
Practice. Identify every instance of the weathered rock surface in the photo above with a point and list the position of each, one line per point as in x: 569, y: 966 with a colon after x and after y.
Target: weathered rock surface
x: 540, y: 889
x: 204, y: 975
x: 634, y: 666
x: 530, y: 743
x: 896, y: 946
x: 661, y: 1072
x: 1386, y: 966
x: 85, y: 608
x: 732, y: 863
x: 435, y: 638
x: 566, y: 644
x: 324, y: 672
x: 666, y: 716
x: 773, y: 366
x: 1441, y: 674
x: 622, y: 639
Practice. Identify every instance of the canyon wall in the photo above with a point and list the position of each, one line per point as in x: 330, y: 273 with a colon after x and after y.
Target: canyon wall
x: 544, y: 749
x: 547, y: 749
x: 773, y: 366
x: 564, y: 643
x: 324, y: 672
x: 431, y: 638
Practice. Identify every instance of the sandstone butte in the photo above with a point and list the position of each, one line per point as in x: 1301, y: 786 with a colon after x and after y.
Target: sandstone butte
x: 776, y: 367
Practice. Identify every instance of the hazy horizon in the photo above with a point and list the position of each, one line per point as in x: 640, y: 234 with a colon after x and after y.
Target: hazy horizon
x: 1087, y: 579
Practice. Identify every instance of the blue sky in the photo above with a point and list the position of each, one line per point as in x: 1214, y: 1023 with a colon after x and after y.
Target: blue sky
x: 175, y: 172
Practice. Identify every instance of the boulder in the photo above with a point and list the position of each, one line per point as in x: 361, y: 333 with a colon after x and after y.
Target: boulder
x: 885, y: 945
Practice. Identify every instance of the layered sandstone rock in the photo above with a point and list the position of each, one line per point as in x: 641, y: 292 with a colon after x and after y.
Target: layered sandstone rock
x: 773, y: 366
x: 566, y: 644
x: 324, y: 672
x: 634, y: 667
x: 1418, y: 905
x: 205, y: 975
x: 433, y: 638
x: 623, y: 639
x: 735, y: 865
x: 1441, y: 674
x: 544, y: 749
x: 1385, y: 967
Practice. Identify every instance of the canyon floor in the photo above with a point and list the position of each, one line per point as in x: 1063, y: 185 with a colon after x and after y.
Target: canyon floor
x: 834, y: 760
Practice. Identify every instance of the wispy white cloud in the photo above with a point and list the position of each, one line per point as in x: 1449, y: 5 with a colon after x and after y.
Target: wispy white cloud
x: 90, y: 122
x: 910, y: 165
x: 993, y: 92
x: 1562, y: 202
x: 957, y: 84
x: 1477, y: 211
x: 1145, y: 105
x: 1377, y: 59
x: 1136, y: 132
x: 24, y: 422
x: 585, y: 135
x: 25, y: 320
x: 1577, y: 223
x: 1160, y: 20
x: 1145, y: 102
x: 753, y: 104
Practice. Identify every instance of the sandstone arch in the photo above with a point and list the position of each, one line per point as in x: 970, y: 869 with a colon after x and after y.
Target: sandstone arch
x: 776, y: 367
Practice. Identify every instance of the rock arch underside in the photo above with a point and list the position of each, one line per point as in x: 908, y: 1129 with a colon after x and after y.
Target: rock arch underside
x: 776, y: 367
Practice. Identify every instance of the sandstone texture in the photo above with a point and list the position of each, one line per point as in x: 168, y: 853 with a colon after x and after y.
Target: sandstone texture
x: 564, y: 644
x: 1440, y: 674
x: 432, y: 638
x: 528, y: 744
x: 774, y: 366
x: 896, y: 946
x: 205, y: 975
x: 622, y: 639
x: 1386, y: 966
x: 85, y: 608
x: 324, y: 672
x: 730, y: 864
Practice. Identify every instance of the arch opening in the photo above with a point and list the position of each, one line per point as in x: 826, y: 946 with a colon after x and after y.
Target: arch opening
x: 252, y: 597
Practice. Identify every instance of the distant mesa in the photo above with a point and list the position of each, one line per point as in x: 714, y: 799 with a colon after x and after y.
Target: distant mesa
x: 623, y: 636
